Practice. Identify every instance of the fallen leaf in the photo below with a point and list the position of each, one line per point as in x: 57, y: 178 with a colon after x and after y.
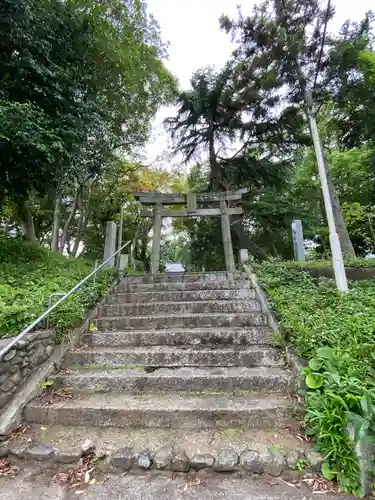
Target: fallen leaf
x: 6, y: 469
x: 87, y: 477
x: 43, y: 428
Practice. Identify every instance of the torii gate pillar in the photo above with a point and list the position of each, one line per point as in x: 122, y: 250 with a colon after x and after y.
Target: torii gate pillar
x: 190, y: 200
x: 155, y: 252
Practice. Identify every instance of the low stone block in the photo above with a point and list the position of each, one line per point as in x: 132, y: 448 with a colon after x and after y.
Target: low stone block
x: 67, y: 456
x: 87, y: 446
x: 180, y: 462
x: 10, y: 355
x: 4, y: 450
x: 315, y: 460
x: 14, y: 368
x: 144, y: 460
x: 251, y: 461
x: 275, y: 462
x: 41, y: 452
x: 292, y: 458
x: 226, y: 460
x: 7, y: 385
x: 164, y: 457
x: 123, y: 459
x: 202, y: 461
x: 49, y: 350
x: 292, y: 475
x: 22, y: 343
x: 16, y: 378
x: 4, y: 367
x: 19, y: 449
x: 42, y: 334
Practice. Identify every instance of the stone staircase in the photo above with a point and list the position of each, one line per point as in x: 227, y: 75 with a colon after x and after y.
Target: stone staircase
x: 175, y: 361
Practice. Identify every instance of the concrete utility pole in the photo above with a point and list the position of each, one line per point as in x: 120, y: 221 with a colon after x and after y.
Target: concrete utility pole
x: 337, y: 259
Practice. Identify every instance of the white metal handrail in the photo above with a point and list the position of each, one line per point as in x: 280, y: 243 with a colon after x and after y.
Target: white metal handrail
x: 46, y: 313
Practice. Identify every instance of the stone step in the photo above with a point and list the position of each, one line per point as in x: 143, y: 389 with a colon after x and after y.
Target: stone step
x: 209, y: 381
x: 213, y: 306
x: 171, y: 356
x: 187, y: 320
x: 181, y: 295
x: 224, y: 284
x: 195, y: 336
x: 171, y: 410
x: 184, y: 277
x: 275, y: 452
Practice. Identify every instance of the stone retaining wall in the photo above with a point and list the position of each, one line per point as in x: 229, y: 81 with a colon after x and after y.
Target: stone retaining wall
x: 18, y: 364
x: 352, y: 273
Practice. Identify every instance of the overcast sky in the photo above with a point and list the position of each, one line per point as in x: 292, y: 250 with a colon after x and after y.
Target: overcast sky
x: 192, y: 29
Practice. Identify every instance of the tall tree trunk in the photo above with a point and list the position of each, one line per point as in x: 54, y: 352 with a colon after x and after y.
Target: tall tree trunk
x: 244, y: 238
x: 77, y: 239
x: 64, y: 235
x: 83, y: 221
x: 346, y: 244
x: 215, y: 168
x: 56, y: 225
x: 26, y: 219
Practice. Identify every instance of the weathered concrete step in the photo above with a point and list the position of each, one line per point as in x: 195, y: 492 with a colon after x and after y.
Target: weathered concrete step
x: 181, y: 295
x: 195, y: 336
x: 209, y: 381
x: 213, y: 306
x: 268, y: 446
x: 187, y: 320
x: 184, y: 277
x: 182, y: 286
x: 172, y: 410
x: 171, y: 356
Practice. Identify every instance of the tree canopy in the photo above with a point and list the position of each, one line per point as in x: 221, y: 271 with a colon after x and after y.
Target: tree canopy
x: 250, y: 121
x: 80, y: 81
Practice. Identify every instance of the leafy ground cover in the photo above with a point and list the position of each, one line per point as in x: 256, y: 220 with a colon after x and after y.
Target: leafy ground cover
x: 336, y: 333
x: 28, y: 276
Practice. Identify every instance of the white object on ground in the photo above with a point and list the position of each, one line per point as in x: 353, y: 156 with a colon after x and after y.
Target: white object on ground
x: 174, y: 267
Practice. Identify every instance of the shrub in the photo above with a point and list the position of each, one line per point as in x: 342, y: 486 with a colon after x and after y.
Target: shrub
x: 29, y: 274
x: 335, y: 332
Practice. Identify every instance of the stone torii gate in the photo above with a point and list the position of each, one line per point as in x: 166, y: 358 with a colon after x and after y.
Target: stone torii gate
x: 191, y: 200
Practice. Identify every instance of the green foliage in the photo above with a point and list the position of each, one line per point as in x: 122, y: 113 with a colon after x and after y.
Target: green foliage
x: 28, y: 276
x: 302, y: 463
x: 46, y: 385
x: 65, y: 107
x: 335, y: 333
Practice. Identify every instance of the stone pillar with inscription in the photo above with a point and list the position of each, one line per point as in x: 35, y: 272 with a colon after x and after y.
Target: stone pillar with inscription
x: 297, y: 233
x: 110, y: 243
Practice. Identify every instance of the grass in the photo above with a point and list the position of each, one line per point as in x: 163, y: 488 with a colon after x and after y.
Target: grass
x: 335, y: 332
x: 29, y: 274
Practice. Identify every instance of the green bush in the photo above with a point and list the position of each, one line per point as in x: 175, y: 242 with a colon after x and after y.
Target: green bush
x: 29, y: 274
x: 335, y: 332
